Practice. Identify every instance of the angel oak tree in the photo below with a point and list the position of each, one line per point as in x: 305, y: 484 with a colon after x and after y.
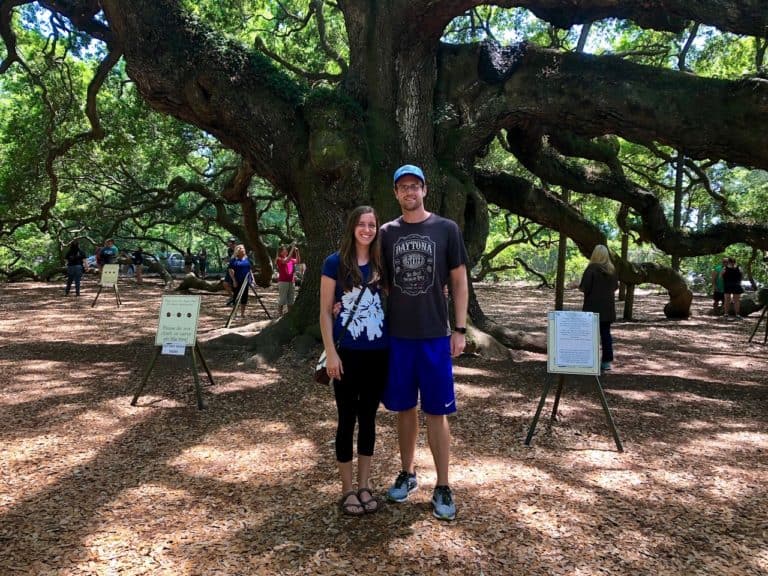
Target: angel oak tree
x: 404, y: 95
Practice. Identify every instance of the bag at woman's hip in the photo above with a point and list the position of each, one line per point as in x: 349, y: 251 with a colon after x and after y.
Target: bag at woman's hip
x: 321, y: 373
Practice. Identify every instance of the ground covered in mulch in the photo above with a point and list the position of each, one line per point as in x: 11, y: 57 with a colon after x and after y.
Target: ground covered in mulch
x: 91, y: 485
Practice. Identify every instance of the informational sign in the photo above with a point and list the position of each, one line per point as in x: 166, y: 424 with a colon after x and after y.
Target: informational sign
x: 109, y: 275
x: 178, y: 320
x: 573, y: 342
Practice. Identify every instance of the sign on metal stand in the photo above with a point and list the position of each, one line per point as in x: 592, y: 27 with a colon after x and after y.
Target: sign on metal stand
x: 573, y: 344
x: 177, y: 334
x: 109, y: 275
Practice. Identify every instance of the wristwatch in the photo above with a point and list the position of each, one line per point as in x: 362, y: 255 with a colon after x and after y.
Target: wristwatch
x: 460, y: 329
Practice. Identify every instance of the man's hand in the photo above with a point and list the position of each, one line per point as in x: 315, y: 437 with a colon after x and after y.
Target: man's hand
x: 458, y: 343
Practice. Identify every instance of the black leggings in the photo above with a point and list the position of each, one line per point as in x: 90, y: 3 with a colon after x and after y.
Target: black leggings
x: 357, y: 399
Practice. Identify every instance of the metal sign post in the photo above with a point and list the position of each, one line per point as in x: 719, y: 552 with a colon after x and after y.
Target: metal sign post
x: 573, y: 348
x: 109, y: 275
x: 177, y: 334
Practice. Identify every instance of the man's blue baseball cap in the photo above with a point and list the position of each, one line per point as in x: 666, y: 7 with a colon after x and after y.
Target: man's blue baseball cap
x: 409, y: 170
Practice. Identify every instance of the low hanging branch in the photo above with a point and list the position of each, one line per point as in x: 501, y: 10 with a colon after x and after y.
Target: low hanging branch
x: 521, y: 197
x: 544, y: 282
x: 545, y: 163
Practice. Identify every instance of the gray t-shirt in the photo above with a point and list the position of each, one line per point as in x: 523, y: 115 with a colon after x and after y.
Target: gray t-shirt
x: 419, y: 259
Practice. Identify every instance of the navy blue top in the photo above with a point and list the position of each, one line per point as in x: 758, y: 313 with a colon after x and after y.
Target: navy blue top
x: 368, y: 328
x: 241, y: 268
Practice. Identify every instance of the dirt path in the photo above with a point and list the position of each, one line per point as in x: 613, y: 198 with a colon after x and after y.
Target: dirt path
x: 91, y: 485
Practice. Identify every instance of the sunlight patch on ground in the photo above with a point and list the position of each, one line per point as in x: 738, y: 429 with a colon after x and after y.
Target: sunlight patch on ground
x: 682, y: 481
x: 744, y: 439
x: 108, y: 418
x: 467, y: 371
x: 469, y: 391
x: 31, y: 369
x: 243, y: 464
x: 616, y: 480
x: 760, y: 560
x: 152, y: 543
x: 32, y: 465
x: 431, y: 547
x: 484, y: 472
x: 696, y: 425
x: 31, y: 390
x: 555, y: 524
x: 728, y: 485
x: 602, y: 458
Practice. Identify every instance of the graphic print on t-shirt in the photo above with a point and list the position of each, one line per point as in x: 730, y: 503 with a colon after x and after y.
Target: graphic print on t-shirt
x: 413, y: 262
x: 369, y: 317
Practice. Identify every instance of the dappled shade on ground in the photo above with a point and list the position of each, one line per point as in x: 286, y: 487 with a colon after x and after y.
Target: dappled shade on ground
x: 91, y: 485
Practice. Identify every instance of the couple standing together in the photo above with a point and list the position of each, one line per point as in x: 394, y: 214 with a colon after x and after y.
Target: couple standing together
x: 401, y: 358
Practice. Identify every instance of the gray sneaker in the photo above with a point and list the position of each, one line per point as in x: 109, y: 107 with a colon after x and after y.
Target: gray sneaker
x: 442, y: 503
x: 405, y: 483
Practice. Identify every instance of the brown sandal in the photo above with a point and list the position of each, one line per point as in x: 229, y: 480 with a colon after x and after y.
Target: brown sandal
x: 370, y: 504
x: 351, y: 508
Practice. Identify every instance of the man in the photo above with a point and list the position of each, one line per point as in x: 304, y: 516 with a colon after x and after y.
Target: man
x: 108, y: 254
x: 286, y: 263
x: 423, y: 253
x: 718, y: 287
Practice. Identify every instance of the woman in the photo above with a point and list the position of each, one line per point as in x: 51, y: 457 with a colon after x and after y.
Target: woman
x: 732, y: 288
x: 77, y: 262
x: 286, y: 263
x: 599, y: 283
x: 239, y: 271
x: 356, y: 344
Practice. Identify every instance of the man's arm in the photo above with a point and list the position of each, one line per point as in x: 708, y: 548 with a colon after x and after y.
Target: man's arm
x: 460, y: 294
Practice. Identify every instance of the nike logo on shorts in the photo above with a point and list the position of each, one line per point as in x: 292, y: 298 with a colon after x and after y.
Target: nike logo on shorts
x: 449, y: 403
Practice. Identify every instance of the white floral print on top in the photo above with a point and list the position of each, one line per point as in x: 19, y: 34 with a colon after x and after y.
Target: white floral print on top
x: 368, y: 320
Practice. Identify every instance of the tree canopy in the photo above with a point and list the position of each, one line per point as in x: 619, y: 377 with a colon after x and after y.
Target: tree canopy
x: 651, y: 114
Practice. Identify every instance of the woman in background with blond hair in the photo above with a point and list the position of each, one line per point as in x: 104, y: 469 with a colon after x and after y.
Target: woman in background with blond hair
x: 599, y: 282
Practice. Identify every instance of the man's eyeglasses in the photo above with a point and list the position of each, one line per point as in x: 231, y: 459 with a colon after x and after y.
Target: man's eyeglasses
x: 409, y: 187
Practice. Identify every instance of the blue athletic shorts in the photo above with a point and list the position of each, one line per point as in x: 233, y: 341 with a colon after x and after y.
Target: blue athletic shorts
x: 420, y: 368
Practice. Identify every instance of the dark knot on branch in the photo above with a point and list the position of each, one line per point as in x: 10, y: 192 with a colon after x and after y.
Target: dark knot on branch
x: 498, y: 63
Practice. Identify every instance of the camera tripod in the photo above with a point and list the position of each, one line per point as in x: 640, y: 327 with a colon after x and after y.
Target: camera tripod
x: 249, y: 281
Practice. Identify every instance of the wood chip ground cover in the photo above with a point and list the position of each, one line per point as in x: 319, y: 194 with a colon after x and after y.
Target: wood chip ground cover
x: 91, y: 485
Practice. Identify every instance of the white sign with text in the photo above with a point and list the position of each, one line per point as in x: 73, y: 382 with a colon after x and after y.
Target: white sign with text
x: 178, y: 321
x: 109, y: 274
x: 573, y: 342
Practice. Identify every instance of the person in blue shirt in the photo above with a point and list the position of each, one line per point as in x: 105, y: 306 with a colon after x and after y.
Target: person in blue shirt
x: 107, y: 254
x: 356, y: 344
x: 239, y: 271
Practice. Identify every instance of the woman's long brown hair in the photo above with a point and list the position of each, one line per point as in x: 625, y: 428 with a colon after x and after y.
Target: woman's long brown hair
x: 349, y: 271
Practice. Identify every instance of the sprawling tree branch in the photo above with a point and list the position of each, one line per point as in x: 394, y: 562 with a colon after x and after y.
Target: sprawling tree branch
x: 739, y: 16
x: 83, y: 14
x: 6, y: 32
x: 555, y: 169
x: 520, y: 197
x: 483, y: 88
x: 236, y: 94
